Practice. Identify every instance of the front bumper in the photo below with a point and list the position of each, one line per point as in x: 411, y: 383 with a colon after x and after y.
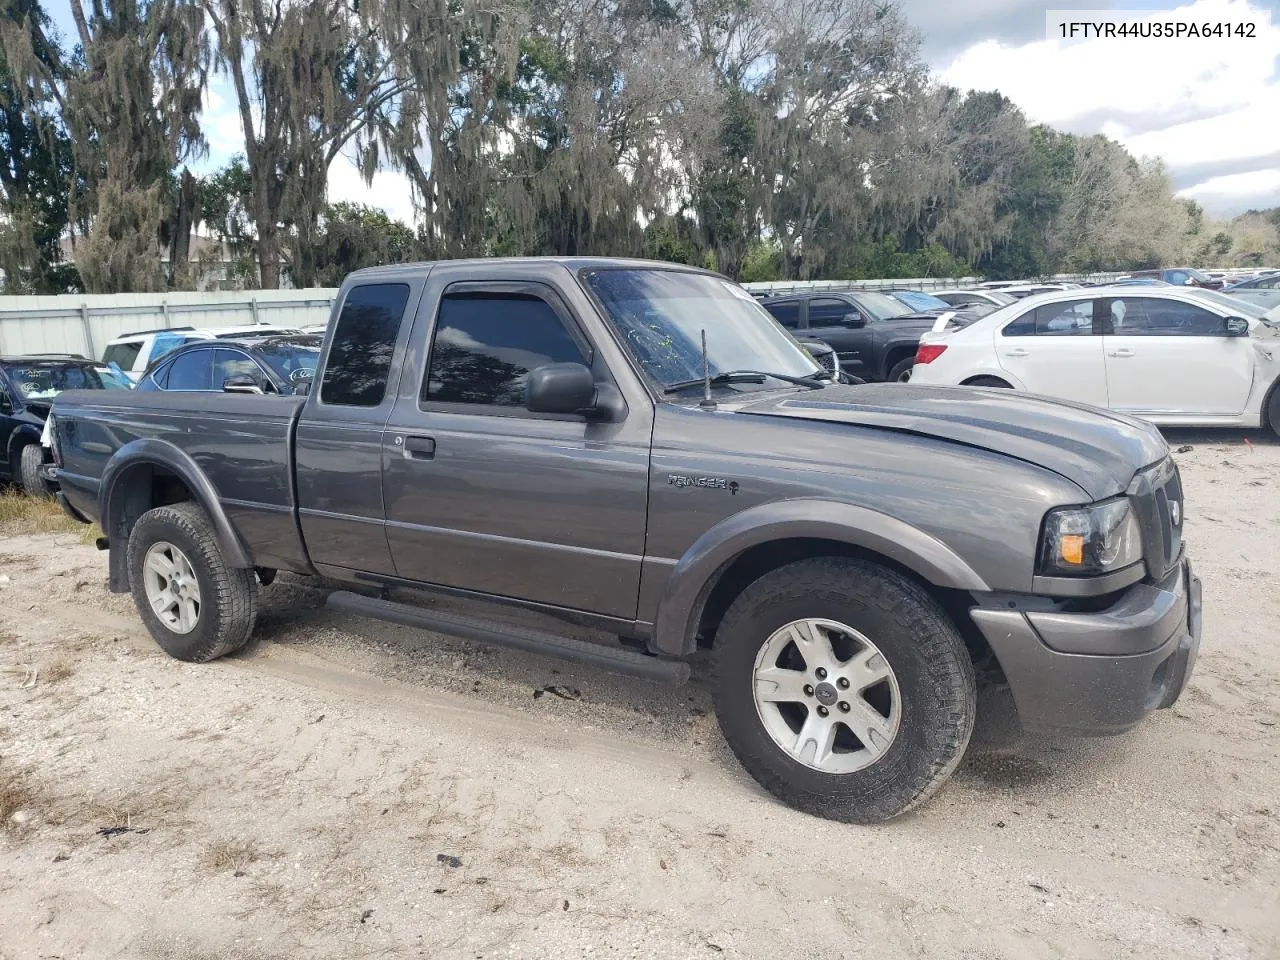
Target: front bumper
x: 48, y: 478
x: 1099, y: 673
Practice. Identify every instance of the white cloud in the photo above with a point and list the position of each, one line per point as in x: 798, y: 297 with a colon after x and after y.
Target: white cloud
x: 1198, y: 103
x: 390, y: 191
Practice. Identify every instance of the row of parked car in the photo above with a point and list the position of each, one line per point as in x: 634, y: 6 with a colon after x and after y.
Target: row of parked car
x: 257, y: 360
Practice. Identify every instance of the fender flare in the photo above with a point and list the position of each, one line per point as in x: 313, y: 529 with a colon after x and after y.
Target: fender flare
x: 160, y: 453
x: 883, y: 365
x: 699, y: 570
x: 22, y: 435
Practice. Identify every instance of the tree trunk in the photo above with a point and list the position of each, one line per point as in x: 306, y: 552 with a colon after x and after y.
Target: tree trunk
x: 264, y: 219
x: 184, y: 215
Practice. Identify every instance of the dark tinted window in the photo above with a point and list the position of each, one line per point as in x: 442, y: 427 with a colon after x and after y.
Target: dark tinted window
x: 1072, y: 318
x: 191, y: 371
x: 1148, y: 317
x: 827, y: 311
x: 122, y: 354
x: 363, y: 341
x: 486, y: 344
x: 233, y: 363
x: 786, y: 313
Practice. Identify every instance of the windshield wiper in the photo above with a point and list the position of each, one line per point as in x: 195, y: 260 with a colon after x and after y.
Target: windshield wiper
x: 746, y: 376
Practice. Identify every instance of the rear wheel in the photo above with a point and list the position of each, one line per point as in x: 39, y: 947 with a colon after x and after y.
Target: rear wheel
x: 843, y: 689
x: 900, y: 372
x: 988, y: 382
x: 29, y: 462
x: 194, y: 605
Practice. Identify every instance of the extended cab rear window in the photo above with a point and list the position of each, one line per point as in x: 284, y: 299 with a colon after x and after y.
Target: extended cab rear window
x: 359, y: 362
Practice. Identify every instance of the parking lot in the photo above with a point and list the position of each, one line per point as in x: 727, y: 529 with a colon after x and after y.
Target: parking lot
x: 352, y: 789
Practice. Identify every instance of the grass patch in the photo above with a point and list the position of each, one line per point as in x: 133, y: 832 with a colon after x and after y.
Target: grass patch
x: 20, y: 514
x: 16, y: 793
x: 57, y: 671
x: 224, y: 855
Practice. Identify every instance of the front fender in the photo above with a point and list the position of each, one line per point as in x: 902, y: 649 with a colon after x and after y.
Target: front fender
x: 697, y: 572
x: 119, y: 510
x: 22, y: 434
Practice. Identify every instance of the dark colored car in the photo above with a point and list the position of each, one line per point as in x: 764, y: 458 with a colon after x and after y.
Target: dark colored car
x: 28, y: 386
x: 271, y: 365
x: 639, y: 449
x: 875, y: 335
x: 1180, y: 277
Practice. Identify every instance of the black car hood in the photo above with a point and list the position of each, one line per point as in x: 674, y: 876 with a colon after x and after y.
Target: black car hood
x: 1097, y: 450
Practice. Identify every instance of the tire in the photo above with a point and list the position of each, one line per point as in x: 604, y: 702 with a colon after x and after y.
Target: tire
x: 928, y: 669
x: 227, y: 598
x: 1273, y: 411
x: 991, y: 382
x: 30, y: 460
x: 900, y: 372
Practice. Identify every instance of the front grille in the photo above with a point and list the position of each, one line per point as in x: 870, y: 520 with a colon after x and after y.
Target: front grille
x: 1156, y: 495
x: 827, y: 361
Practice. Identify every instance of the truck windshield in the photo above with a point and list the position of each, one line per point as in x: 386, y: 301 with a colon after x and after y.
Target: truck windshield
x: 44, y: 381
x: 661, y: 315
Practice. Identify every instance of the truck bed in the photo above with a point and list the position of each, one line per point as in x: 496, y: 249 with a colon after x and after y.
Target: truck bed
x: 241, y: 443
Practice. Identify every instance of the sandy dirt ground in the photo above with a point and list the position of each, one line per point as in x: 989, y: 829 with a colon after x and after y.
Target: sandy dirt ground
x: 345, y: 789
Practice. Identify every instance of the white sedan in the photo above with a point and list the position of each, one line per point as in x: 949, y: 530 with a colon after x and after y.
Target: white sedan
x: 1173, y: 356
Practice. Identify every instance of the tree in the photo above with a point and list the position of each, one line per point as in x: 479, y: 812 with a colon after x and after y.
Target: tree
x: 36, y: 170
x: 353, y: 236
x: 310, y: 79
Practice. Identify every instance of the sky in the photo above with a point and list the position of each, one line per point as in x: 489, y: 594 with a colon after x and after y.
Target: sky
x: 1209, y: 108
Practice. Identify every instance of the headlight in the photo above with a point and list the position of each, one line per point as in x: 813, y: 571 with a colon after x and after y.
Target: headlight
x: 1085, y: 541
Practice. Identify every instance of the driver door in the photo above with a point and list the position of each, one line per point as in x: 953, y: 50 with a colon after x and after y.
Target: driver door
x: 483, y: 495
x: 844, y: 327
x: 1170, y: 358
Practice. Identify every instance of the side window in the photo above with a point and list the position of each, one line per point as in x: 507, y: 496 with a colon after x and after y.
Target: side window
x: 1071, y: 319
x: 1269, y: 283
x: 191, y: 371
x: 786, y: 313
x: 6, y: 405
x: 486, y: 344
x: 1024, y: 326
x: 364, y: 338
x: 123, y: 354
x: 1178, y: 276
x: 828, y: 312
x: 233, y: 363
x: 1143, y: 317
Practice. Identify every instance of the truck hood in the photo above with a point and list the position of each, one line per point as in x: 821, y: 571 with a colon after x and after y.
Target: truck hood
x: 1097, y: 450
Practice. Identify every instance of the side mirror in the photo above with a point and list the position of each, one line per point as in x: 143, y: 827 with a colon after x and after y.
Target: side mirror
x: 560, y: 388
x: 854, y: 320
x: 1237, y: 327
x: 241, y: 383
x: 1190, y: 282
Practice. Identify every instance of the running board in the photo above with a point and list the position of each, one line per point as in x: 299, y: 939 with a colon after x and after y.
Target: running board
x: 532, y: 641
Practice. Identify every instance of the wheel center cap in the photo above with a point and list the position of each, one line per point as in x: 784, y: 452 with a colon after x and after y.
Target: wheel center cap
x: 826, y: 693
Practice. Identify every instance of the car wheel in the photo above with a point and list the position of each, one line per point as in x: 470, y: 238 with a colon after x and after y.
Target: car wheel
x: 843, y: 689
x: 1273, y: 411
x: 995, y: 382
x: 900, y: 372
x: 29, y: 462
x: 195, y: 606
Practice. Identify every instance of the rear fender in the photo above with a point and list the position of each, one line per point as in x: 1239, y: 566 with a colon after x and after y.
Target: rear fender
x: 696, y: 574
x: 122, y: 501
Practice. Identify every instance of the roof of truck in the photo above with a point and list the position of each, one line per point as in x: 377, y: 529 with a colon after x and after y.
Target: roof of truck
x: 569, y: 263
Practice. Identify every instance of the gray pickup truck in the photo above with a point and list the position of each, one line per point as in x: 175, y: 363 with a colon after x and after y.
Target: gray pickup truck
x: 640, y: 448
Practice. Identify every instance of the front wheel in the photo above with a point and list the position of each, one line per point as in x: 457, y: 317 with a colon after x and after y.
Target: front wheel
x: 194, y: 605
x: 30, y: 460
x: 843, y: 689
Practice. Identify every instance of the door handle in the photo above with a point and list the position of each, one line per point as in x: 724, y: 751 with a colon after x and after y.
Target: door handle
x: 419, y: 448
x: 1121, y: 352
x: 1017, y: 352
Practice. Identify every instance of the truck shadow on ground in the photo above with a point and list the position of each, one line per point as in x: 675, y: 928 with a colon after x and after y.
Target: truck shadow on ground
x: 294, y: 622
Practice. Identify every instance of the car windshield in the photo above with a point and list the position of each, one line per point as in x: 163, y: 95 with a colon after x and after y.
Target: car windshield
x: 44, y: 381
x: 292, y: 360
x: 1238, y: 306
x: 919, y: 300
x: 881, y: 306
x: 661, y: 315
